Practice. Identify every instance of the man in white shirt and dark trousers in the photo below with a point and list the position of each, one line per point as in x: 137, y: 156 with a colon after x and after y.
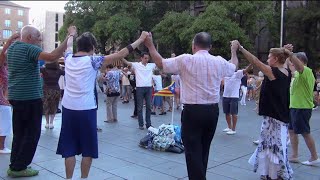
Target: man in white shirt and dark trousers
x: 200, y: 74
x: 231, y: 98
x: 143, y: 71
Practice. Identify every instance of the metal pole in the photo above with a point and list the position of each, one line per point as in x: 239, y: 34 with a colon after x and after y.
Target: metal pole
x: 281, y: 26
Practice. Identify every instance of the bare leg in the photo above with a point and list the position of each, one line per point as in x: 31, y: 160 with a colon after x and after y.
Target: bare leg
x: 85, y: 166
x: 2, y: 140
x: 228, y: 119
x: 47, y: 118
x: 234, y: 121
x: 52, y: 118
x: 294, y: 143
x: 70, y: 163
x: 311, y: 146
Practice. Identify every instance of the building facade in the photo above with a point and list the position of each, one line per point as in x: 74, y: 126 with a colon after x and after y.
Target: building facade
x: 50, y: 34
x: 12, y: 18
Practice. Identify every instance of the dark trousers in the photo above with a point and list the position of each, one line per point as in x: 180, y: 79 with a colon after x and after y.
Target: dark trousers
x: 144, y: 93
x: 135, y: 102
x: 198, y: 125
x: 26, y: 120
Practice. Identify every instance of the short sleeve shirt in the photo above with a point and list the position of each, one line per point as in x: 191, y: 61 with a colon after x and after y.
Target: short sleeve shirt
x: 24, y: 72
x: 232, y: 85
x: 143, y: 74
x: 301, y: 90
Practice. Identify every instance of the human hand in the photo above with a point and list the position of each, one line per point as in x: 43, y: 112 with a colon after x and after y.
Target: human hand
x: 148, y: 41
x: 288, y: 47
x: 14, y: 37
x: 72, y: 30
x: 143, y: 35
x: 235, y: 45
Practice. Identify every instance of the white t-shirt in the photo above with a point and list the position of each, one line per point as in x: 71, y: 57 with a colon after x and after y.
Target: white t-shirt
x: 80, y: 75
x: 232, y: 85
x: 143, y: 73
x: 157, y: 82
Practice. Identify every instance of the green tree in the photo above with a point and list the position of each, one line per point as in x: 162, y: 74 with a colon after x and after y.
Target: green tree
x: 303, y: 31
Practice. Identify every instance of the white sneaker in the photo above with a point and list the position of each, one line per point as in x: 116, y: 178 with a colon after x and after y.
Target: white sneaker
x: 231, y: 132
x: 5, y: 151
x: 226, y: 130
x: 256, y: 142
x: 51, y: 126
x: 47, y: 126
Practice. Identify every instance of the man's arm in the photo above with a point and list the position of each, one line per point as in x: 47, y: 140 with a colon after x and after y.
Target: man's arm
x: 58, y: 52
x: 126, y: 62
x: 156, y: 57
x: 6, y: 46
x: 248, y: 68
x: 234, y: 58
x: 299, y: 66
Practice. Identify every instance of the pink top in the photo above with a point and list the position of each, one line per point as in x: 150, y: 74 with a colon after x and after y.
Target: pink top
x: 200, y: 75
x: 3, y: 85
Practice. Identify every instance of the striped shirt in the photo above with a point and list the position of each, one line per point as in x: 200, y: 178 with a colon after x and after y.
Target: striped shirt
x: 24, y: 72
x: 200, y: 74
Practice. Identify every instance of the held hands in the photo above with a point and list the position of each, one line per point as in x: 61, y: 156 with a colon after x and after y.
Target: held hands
x: 143, y: 35
x: 288, y: 48
x: 148, y: 41
x: 72, y: 31
x: 14, y: 37
x: 235, y: 45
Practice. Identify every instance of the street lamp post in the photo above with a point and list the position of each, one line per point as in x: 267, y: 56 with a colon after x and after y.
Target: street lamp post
x: 281, y: 25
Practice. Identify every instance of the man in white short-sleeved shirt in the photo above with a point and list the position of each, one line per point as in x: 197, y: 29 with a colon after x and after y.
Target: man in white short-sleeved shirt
x: 200, y: 74
x: 231, y: 98
x: 143, y: 71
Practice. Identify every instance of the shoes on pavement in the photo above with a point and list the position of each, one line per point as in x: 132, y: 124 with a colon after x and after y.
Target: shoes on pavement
x: 5, y: 151
x: 134, y: 116
x: 311, y: 163
x: 231, y: 132
x: 226, y: 130
x: 47, y: 126
x: 153, y: 113
x: 163, y: 113
x: 108, y: 121
x: 141, y: 127
x: 294, y: 160
x: 24, y: 173
x: 99, y: 129
x: 51, y: 126
x: 256, y: 142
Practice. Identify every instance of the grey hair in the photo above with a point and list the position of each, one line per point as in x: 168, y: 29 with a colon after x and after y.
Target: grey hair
x: 29, y: 30
x: 302, y: 57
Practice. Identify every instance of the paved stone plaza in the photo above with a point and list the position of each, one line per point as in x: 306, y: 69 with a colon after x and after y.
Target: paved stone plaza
x: 120, y: 157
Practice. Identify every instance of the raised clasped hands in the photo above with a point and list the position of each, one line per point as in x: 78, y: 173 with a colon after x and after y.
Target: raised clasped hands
x: 14, y: 37
x: 235, y: 45
x: 148, y: 41
x: 143, y: 35
x: 72, y: 30
x: 288, y: 47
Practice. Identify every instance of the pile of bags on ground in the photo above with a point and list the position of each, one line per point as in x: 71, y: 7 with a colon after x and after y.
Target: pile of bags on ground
x: 165, y: 138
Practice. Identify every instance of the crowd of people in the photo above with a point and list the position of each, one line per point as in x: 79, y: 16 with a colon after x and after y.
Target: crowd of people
x: 283, y: 91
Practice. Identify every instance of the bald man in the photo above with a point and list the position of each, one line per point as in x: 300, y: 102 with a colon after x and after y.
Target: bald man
x: 25, y: 93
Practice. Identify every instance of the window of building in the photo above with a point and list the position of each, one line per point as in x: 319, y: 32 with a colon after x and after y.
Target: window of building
x: 57, y: 17
x: 55, y: 45
x: 57, y: 27
x: 7, y: 23
x: 20, y: 24
x: 20, y: 12
x: 56, y: 37
x: 7, y: 11
x: 6, y: 33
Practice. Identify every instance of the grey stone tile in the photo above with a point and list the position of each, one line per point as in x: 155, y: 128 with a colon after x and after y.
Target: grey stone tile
x: 314, y: 170
x: 43, y: 174
x: 107, y: 163
x: 300, y: 175
x: 172, y: 168
x: 55, y: 165
x: 135, y: 172
x: 234, y: 172
x: 94, y: 174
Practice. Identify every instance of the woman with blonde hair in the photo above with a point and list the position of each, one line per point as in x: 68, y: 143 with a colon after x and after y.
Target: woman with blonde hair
x: 270, y: 158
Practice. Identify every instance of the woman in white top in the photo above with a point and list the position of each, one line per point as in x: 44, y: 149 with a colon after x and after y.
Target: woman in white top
x: 79, y: 116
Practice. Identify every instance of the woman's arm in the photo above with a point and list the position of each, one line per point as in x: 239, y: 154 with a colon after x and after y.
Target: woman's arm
x: 6, y: 46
